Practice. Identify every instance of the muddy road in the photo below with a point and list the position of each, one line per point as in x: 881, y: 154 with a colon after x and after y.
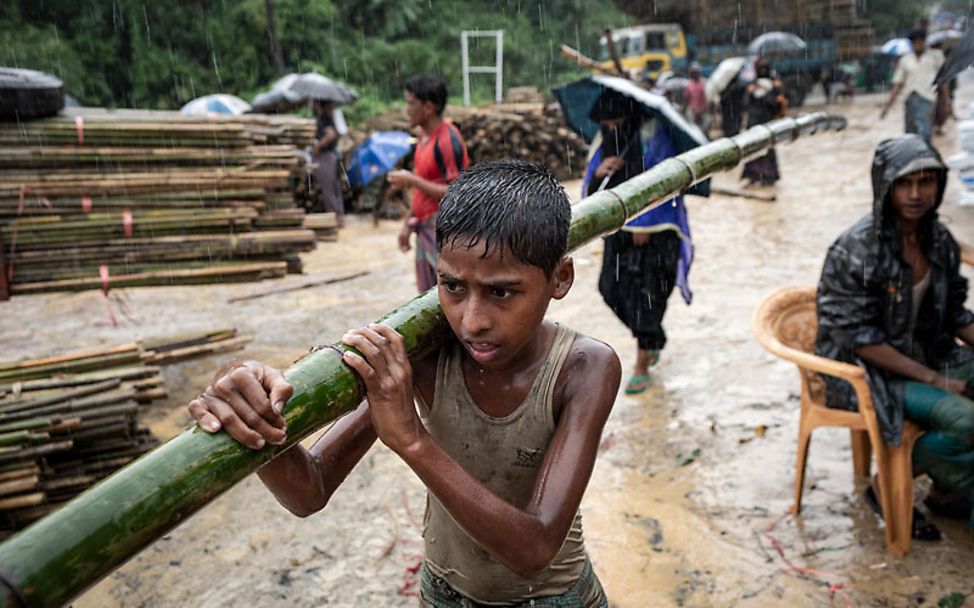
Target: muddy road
x: 689, y: 497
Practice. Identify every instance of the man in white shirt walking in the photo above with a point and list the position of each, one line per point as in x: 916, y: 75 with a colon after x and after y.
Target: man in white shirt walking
x: 914, y: 76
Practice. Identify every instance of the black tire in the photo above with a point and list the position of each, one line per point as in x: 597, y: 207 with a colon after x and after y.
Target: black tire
x: 27, y: 94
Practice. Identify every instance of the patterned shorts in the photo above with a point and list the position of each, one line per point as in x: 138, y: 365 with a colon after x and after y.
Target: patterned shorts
x: 585, y: 593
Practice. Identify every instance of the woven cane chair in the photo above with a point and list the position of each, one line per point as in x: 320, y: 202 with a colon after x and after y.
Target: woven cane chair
x: 785, y: 324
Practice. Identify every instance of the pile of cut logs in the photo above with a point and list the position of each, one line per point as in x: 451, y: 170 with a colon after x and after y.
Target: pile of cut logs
x: 67, y: 421
x: 531, y: 132
x: 109, y: 199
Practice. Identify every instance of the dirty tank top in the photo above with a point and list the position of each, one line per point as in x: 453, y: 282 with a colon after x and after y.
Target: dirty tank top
x: 505, y: 455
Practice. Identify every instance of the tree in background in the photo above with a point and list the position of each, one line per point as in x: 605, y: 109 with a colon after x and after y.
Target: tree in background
x: 160, y: 55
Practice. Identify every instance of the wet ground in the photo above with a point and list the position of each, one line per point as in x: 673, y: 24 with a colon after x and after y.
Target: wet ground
x: 688, y: 502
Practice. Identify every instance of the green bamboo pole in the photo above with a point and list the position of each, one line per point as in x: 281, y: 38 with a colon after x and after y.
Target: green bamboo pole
x: 58, y: 557
x: 210, y: 273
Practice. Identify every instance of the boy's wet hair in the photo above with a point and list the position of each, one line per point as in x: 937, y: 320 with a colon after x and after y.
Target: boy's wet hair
x: 508, y: 205
x: 428, y: 87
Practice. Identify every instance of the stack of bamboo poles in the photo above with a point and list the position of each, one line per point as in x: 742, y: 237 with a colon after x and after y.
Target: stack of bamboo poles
x: 67, y: 421
x: 324, y: 225
x: 103, y: 200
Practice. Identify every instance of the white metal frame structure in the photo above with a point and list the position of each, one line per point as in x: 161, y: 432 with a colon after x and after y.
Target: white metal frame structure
x: 497, y: 69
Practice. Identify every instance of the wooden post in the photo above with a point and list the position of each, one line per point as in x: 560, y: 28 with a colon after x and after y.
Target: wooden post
x: 614, y: 53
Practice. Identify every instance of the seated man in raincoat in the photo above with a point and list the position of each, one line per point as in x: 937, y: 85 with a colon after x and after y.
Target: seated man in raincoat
x: 891, y: 299
x: 652, y: 253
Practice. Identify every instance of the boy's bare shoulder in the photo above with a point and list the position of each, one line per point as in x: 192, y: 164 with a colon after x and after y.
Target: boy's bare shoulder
x: 588, y: 350
x: 591, y: 369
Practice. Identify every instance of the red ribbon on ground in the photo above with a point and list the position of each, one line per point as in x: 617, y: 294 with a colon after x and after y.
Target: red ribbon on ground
x: 105, y: 281
x: 86, y: 204
x: 834, y: 587
x: 103, y: 275
x: 79, y: 126
x: 127, y: 223
x: 13, y: 234
x: 13, y: 231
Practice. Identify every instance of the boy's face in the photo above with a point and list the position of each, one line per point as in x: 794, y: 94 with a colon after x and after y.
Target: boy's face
x: 495, y: 303
x: 915, y: 194
x: 417, y: 111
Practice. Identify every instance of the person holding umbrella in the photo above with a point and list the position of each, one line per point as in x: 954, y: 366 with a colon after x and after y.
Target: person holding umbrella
x: 325, y: 152
x: 640, y: 262
x: 725, y: 88
x: 439, y: 158
x: 765, y: 102
x: 914, y: 76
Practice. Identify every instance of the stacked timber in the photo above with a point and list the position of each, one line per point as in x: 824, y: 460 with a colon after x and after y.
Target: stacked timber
x: 125, y: 198
x: 67, y: 421
x: 324, y: 225
x: 531, y: 132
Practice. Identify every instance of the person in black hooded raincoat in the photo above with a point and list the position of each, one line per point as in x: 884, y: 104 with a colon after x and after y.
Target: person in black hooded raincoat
x: 891, y: 299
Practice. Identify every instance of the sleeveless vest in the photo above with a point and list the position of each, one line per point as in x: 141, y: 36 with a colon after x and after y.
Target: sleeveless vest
x: 504, y: 454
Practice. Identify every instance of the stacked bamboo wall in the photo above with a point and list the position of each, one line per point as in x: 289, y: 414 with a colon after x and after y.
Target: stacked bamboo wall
x: 70, y: 420
x: 111, y: 199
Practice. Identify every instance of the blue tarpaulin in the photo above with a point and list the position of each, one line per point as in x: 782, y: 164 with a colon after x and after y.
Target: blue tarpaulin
x: 378, y: 155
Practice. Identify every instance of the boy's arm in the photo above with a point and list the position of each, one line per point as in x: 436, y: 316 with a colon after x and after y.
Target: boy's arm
x: 403, y: 178
x: 899, y: 76
x: 524, y: 538
x: 453, y: 163
x: 304, y: 480
x: 246, y: 400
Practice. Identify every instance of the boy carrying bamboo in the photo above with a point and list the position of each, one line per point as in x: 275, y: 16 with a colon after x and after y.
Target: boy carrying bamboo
x: 510, y: 412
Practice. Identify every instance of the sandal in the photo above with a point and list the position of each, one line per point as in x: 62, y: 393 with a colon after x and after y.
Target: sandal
x: 638, y: 384
x: 922, y: 529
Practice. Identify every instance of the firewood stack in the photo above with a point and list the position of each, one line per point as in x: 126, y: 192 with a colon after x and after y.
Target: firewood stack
x: 524, y: 129
x: 530, y: 132
x: 70, y: 420
x: 146, y: 198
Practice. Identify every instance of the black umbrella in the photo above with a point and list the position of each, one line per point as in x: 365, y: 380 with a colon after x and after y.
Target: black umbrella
x: 316, y: 86
x: 961, y: 58
x: 772, y: 43
x: 276, y: 101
